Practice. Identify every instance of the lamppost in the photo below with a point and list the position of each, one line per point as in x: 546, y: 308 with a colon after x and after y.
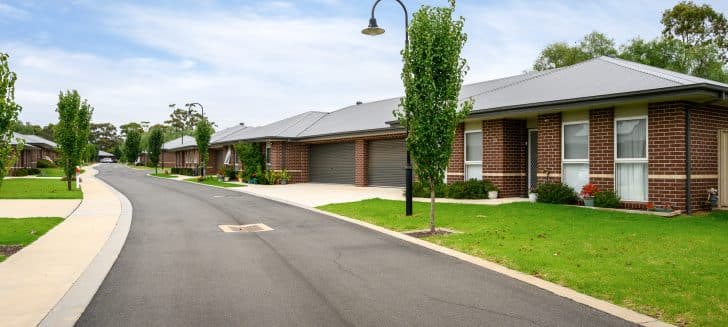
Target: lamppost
x: 373, y: 30
x: 193, y: 104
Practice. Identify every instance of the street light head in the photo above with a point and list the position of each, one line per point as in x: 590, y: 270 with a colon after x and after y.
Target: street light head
x: 373, y: 29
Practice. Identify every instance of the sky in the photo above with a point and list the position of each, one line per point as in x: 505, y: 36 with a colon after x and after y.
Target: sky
x: 256, y: 62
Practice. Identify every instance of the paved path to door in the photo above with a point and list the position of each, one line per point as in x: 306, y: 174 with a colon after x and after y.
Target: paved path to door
x: 178, y: 269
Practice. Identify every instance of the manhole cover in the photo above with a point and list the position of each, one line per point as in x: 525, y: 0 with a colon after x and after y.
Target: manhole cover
x: 250, y: 228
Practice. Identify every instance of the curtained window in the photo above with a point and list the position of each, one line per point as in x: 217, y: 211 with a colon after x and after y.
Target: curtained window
x: 227, y: 157
x: 473, y: 155
x: 631, y: 159
x: 575, y: 145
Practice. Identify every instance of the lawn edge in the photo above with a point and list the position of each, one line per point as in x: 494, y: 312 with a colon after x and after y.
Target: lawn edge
x: 601, y: 305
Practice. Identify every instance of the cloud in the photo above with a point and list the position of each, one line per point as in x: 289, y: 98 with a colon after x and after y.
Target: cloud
x: 10, y: 12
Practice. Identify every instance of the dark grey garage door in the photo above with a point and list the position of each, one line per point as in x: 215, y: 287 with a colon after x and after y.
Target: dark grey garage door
x: 386, y: 163
x: 331, y: 163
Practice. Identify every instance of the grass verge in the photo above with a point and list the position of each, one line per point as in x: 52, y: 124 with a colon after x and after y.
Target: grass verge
x: 162, y: 175
x: 53, y: 172
x: 673, y: 269
x: 35, y: 188
x: 24, y: 231
x: 214, y: 182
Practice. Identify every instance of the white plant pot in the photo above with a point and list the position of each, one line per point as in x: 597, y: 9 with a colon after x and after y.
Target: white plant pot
x: 492, y: 195
x: 532, y: 197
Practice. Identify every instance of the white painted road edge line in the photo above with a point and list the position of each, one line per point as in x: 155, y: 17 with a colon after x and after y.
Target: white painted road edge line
x: 69, y: 309
x: 601, y: 305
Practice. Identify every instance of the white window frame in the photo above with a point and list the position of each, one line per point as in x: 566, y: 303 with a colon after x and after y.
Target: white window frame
x: 465, y: 154
x: 565, y: 161
x: 645, y: 160
x: 268, y: 153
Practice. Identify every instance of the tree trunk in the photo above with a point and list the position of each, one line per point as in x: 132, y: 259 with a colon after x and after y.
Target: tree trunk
x: 432, y: 207
x: 69, y: 181
x: 155, y: 170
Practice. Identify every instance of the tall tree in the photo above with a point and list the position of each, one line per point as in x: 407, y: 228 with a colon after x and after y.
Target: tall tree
x: 156, y: 139
x: 72, y: 131
x: 132, y: 145
x: 9, y: 111
x: 560, y: 54
x: 203, y: 134
x: 697, y: 26
x: 129, y: 127
x: 105, y: 135
x: 183, y: 119
x: 433, y: 74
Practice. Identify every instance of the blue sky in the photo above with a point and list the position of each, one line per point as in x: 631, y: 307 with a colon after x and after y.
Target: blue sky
x: 259, y: 61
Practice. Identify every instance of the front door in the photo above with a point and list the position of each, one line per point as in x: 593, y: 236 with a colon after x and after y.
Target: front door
x: 723, y: 168
x: 532, y: 159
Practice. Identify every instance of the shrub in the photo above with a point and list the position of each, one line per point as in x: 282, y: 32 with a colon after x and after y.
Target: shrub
x: 33, y: 171
x: 20, y: 172
x: 43, y: 163
x: 230, y: 173
x: 557, y: 193
x: 183, y: 171
x: 472, y: 189
x: 607, y: 199
x: 420, y: 190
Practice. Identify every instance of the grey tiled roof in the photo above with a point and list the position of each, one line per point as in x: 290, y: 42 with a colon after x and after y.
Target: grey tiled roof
x: 34, y: 140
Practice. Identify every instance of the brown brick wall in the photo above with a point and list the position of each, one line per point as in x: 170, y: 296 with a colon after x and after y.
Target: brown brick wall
x: 706, y: 122
x: 505, y: 156
x: 666, y: 147
x: 549, y: 147
x: 456, y: 168
x: 296, y: 161
x: 361, y: 159
x: 601, y: 148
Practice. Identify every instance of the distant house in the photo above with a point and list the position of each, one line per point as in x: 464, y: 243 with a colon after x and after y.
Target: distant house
x: 34, y: 149
x: 649, y: 134
x: 103, y: 154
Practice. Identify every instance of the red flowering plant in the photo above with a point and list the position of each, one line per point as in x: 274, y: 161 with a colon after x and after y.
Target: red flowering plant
x: 589, y: 190
x: 650, y: 206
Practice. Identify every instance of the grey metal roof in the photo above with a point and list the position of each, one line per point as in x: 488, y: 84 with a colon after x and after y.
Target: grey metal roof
x: 291, y: 127
x: 180, y: 143
x: 597, y: 77
x: 103, y: 153
x: 33, y: 140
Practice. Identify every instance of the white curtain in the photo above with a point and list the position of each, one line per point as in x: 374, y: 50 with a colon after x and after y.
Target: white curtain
x: 474, y: 147
x: 632, y: 181
x: 632, y: 139
x: 576, y: 141
x: 227, y: 157
x: 473, y: 171
x: 576, y: 175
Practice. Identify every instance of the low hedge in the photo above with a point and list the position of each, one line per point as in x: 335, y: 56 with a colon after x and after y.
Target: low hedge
x: 21, y: 172
x: 471, y: 189
x: 43, y: 163
x: 557, y: 193
x: 607, y: 199
x: 184, y: 171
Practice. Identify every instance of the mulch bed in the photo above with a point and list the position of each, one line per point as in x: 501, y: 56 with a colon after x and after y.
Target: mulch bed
x: 8, y: 250
x: 423, y: 234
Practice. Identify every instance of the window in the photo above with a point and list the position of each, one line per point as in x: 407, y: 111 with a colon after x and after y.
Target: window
x: 227, y: 157
x: 575, y: 154
x: 267, y: 154
x: 631, y: 158
x: 473, y: 155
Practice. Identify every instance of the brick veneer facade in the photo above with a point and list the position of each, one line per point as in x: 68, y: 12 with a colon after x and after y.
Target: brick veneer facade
x: 361, y: 161
x: 601, y: 148
x: 456, y: 167
x: 549, y: 147
x: 505, y: 156
x: 706, y: 122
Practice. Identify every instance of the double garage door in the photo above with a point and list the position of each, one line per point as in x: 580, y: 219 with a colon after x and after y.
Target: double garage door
x: 335, y: 163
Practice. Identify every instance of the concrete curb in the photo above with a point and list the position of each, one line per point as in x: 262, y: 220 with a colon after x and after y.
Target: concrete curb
x: 601, y: 305
x: 69, y: 309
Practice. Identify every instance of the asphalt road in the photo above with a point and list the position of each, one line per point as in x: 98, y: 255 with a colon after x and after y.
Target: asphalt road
x: 178, y: 269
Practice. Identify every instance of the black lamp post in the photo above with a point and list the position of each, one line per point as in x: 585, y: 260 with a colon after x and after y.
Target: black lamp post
x: 373, y: 30
x: 193, y: 104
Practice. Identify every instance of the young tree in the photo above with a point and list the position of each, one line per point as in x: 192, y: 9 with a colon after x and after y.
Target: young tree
x: 156, y: 139
x: 251, y: 157
x: 72, y: 131
x: 203, y: 134
x: 433, y: 74
x: 132, y: 145
x: 91, y: 153
x: 9, y: 111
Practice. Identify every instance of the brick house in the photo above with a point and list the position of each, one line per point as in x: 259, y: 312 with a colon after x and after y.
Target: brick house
x: 649, y: 134
x: 34, y: 149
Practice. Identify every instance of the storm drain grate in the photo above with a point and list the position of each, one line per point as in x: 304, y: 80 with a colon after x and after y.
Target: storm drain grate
x: 250, y: 228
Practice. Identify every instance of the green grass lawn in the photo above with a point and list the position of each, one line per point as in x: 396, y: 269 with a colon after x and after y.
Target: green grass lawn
x: 24, y: 231
x: 53, y: 172
x: 675, y: 269
x: 214, y: 182
x: 35, y: 188
x: 163, y: 175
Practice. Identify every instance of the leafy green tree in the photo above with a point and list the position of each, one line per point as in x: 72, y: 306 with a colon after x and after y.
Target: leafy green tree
x: 126, y: 128
x: 132, y: 144
x: 9, y: 111
x: 156, y: 139
x: 105, y: 135
x: 251, y: 157
x: 91, y: 153
x: 203, y: 134
x: 118, y: 152
x: 433, y: 74
x: 72, y: 131
x: 697, y: 26
x: 560, y: 54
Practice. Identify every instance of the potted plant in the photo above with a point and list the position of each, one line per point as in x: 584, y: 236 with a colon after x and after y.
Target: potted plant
x: 533, y: 195
x: 587, y: 194
x: 284, y: 177
x: 493, y: 192
x: 650, y: 206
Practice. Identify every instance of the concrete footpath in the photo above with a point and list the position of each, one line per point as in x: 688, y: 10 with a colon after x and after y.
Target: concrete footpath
x: 37, y: 208
x: 34, y: 280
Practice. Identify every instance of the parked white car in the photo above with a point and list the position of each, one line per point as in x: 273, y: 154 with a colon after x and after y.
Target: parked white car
x: 106, y: 160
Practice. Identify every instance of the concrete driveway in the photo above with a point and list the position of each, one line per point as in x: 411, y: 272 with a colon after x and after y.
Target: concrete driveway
x: 315, y: 194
